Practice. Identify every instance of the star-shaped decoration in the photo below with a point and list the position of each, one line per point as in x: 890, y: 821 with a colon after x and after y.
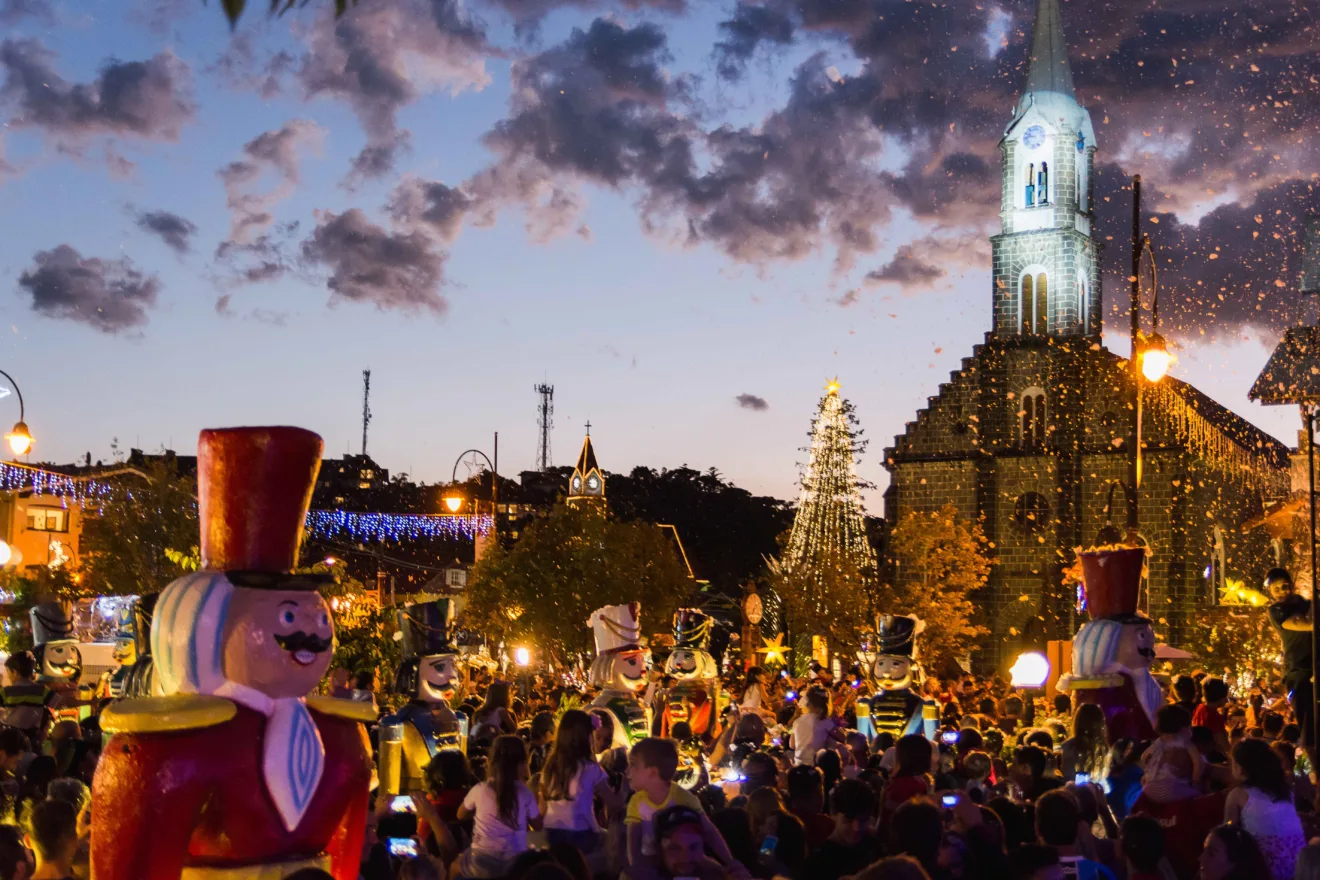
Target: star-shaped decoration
x: 832, y: 386
x: 774, y: 650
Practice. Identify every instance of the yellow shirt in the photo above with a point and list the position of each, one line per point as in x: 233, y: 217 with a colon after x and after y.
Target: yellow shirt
x: 641, y: 810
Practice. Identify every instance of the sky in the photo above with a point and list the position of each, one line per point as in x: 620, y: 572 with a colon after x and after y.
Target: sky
x: 687, y: 216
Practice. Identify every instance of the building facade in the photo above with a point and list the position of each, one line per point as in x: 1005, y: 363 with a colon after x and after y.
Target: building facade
x: 1030, y: 435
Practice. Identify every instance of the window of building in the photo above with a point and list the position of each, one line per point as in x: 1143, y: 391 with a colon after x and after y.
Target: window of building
x: 455, y: 577
x: 1083, y: 182
x: 1031, y: 512
x: 1082, y: 304
x: 1034, y: 301
x: 46, y: 519
x: 1032, y: 414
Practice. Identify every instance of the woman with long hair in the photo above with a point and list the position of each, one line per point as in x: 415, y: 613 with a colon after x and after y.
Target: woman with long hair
x: 912, y: 777
x: 813, y: 727
x: 1087, y: 750
x: 1231, y: 853
x: 495, y: 712
x: 754, y: 691
x: 502, y: 809
x: 1262, y: 804
x: 571, y: 783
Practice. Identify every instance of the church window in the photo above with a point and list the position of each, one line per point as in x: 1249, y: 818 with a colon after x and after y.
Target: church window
x: 1031, y: 512
x: 1082, y: 304
x: 1030, y: 194
x: 1043, y: 184
x: 1034, y: 287
x: 1032, y: 415
x: 1083, y: 183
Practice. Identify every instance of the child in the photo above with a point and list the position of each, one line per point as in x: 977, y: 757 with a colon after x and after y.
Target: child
x: 502, y: 808
x: 652, y: 764
x: 571, y: 781
x: 448, y: 781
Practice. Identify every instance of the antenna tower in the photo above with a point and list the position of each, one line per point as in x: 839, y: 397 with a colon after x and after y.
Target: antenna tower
x: 366, y: 407
x: 545, y: 421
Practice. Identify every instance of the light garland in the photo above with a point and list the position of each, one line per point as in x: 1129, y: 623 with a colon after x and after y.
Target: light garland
x: 39, y: 481
x: 396, y: 527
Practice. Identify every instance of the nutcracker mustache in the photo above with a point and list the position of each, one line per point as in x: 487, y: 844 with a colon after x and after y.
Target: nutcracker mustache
x: 298, y: 642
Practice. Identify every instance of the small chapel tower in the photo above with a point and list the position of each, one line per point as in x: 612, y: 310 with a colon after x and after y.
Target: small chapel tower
x: 1046, y: 267
x: 587, y: 484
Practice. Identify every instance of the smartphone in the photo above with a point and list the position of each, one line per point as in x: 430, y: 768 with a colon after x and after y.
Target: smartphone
x: 949, y: 737
x: 949, y: 800
x: 402, y: 804
x: 402, y: 847
x: 1082, y: 778
x: 768, y: 845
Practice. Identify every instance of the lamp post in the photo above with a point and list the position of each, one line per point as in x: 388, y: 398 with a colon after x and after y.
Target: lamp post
x: 1030, y: 673
x: 20, y: 439
x: 454, y: 501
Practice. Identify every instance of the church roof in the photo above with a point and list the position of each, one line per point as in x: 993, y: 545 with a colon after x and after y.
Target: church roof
x: 1049, y: 70
x: 1292, y: 374
x: 587, y: 457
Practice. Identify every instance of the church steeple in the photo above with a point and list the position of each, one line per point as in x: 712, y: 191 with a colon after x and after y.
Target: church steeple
x: 587, y: 482
x: 1049, y: 70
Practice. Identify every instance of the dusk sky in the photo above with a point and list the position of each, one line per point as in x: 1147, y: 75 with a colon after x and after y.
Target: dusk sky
x: 687, y: 216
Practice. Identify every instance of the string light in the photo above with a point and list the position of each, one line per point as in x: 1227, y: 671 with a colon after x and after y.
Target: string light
x: 396, y: 527
x: 39, y: 481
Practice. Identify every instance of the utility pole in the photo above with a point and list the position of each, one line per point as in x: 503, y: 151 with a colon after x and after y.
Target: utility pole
x: 366, y: 407
x: 545, y: 421
x: 1134, y: 433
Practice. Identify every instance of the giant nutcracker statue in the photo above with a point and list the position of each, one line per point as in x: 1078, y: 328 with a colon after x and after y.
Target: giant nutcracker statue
x: 429, y: 675
x: 142, y: 681
x: 696, y: 678
x: 59, y: 661
x: 1113, y: 650
x: 896, y: 707
x: 237, y: 774
x: 114, y: 682
x: 619, y: 670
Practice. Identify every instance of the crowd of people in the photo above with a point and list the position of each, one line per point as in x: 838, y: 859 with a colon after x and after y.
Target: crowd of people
x: 1009, y: 788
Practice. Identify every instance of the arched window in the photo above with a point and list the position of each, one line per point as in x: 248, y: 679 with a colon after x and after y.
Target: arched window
x: 1083, y: 182
x: 1043, y: 184
x: 1083, y: 304
x: 1032, y: 416
x: 1034, y: 301
x: 1031, y: 512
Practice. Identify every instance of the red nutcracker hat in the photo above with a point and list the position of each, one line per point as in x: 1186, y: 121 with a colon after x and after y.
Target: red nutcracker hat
x: 1112, y: 581
x: 254, y: 486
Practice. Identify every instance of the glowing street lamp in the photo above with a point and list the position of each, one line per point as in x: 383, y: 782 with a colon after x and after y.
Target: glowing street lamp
x: 1031, y: 670
x: 1155, y: 358
x: 20, y: 438
x: 522, y: 656
x: 453, y: 502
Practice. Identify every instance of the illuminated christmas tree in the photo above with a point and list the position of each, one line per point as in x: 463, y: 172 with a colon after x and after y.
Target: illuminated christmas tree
x: 828, y: 563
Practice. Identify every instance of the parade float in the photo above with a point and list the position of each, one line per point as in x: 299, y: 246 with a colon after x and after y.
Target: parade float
x: 237, y: 772
x: 1113, y: 651
x: 619, y: 670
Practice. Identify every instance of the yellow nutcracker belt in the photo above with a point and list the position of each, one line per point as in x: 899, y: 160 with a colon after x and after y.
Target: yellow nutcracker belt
x: 274, y: 871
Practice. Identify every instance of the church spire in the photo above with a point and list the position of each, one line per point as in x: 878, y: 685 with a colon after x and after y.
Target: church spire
x: 1049, y: 70
x: 587, y: 482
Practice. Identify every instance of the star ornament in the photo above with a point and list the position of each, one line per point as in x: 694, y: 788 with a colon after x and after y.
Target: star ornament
x: 774, y: 650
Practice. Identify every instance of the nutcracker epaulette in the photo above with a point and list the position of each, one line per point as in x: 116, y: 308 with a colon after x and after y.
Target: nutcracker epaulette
x: 166, y: 714
x: 1091, y: 682
x: 353, y: 710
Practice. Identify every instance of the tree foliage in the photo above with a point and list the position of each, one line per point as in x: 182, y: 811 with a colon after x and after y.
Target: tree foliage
x: 938, y: 561
x: 364, y: 631
x: 145, y: 533
x: 566, y: 565
x: 828, y: 598
x: 234, y: 8
x: 1239, y: 643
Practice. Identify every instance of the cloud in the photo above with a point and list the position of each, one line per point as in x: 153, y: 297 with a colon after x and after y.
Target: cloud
x: 432, y: 204
x: 368, y: 264
x: 907, y: 270
x: 13, y: 12
x: 111, y: 296
x: 266, y: 258
x: 275, y: 152
x: 149, y: 99
x: 175, y: 231
x: 381, y: 57
x: 243, y: 66
x: 752, y: 402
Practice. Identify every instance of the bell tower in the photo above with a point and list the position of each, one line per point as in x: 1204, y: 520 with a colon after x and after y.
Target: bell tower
x: 587, y: 482
x: 1046, y: 267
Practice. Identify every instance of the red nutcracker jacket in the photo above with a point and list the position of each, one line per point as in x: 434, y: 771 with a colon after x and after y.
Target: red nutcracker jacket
x: 180, y: 785
x: 1125, y: 717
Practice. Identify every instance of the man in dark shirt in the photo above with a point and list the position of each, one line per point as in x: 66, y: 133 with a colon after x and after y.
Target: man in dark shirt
x: 1291, y: 616
x: 851, y: 846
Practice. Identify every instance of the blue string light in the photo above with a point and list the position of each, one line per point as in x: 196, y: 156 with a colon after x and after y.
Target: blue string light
x: 39, y: 481
x: 395, y: 527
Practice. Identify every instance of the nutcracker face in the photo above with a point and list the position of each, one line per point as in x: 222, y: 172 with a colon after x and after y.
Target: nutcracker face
x: 1136, y: 646
x: 628, y: 671
x: 686, y: 664
x: 278, y: 641
x: 61, y: 661
x: 436, y: 678
x: 892, y: 672
x: 125, y: 652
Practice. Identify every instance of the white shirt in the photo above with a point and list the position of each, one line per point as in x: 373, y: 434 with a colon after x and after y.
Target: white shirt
x: 752, y: 699
x: 576, y: 812
x: 490, y: 833
x: 809, y: 736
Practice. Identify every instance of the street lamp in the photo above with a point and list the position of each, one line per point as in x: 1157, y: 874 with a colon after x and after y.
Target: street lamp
x: 1029, y: 674
x: 453, y: 502
x: 20, y: 439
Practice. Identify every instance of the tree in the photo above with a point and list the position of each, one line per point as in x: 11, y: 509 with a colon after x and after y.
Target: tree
x: 566, y: 565
x: 830, y: 598
x: 938, y: 561
x: 234, y: 8
x: 363, y: 630
x: 144, y: 535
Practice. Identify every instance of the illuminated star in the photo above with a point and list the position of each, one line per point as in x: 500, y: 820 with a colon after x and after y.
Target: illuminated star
x: 833, y: 385
x: 774, y: 650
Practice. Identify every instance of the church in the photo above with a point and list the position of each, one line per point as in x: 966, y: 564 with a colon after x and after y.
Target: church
x: 1031, y: 433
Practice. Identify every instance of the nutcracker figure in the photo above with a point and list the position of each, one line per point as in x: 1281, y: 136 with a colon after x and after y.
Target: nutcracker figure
x: 1112, y: 652
x: 696, y: 679
x: 619, y: 670
x: 429, y: 674
x: 115, y: 681
x: 59, y: 662
x: 236, y: 773
x: 142, y: 678
x: 896, y: 707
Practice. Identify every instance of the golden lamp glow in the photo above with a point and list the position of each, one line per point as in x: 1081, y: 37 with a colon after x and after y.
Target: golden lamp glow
x: 522, y: 656
x: 20, y: 440
x: 454, y: 503
x: 1031, y: 670
x: 1155, y: 358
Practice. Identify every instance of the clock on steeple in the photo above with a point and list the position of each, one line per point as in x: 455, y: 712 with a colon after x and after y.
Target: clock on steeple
x: 588, y: 481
